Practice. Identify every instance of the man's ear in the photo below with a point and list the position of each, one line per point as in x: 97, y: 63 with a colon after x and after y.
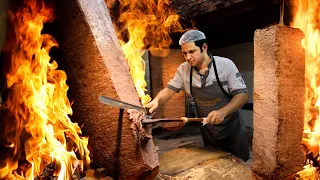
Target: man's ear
x: 204, y: 47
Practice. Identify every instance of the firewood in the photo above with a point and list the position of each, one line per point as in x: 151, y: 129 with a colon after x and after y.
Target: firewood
x: 48, y: 173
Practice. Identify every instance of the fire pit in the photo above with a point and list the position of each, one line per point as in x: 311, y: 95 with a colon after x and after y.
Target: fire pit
x: 40, y: 140
x: 54, y: 126
x: 38, y: 136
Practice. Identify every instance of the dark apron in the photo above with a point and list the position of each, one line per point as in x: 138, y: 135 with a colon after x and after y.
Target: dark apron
x: 231, y: 134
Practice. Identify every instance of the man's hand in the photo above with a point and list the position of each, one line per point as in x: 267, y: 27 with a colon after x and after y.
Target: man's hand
x: 215, y: 117
x: 162, y: 97
x: 153, y: 105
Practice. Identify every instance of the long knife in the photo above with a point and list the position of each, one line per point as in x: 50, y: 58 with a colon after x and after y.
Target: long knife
x: 123, y: 105
x: 165, y: 120
x: 120, y: 104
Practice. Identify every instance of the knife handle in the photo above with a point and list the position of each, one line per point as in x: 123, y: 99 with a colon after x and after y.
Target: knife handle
x: 195, y: 119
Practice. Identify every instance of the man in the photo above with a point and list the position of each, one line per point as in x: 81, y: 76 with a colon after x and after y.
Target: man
x: 218, y: 91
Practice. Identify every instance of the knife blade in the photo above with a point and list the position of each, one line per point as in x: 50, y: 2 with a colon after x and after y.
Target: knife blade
x: 123, y: 105
x: 166, y: 120
x: 116, y: 103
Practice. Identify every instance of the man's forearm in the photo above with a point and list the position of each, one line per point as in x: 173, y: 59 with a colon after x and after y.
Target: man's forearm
x: 164, y: 95
x: 236, y: 103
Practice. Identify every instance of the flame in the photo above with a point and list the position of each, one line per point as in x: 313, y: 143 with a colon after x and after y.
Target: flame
x: 145, y: 25
x: 306, y: 17
x: 37, y: 108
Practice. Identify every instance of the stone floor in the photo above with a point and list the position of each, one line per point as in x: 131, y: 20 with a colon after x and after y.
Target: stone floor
x: 182, y: 156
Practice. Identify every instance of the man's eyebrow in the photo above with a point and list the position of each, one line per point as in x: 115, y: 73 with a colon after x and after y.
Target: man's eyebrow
x: 189, y: 50
x: 192, y: 50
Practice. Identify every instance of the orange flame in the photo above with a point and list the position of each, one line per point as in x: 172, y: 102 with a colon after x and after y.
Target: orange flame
x: 306, y: 18
x: 147, y: 25
x: 38, y: 123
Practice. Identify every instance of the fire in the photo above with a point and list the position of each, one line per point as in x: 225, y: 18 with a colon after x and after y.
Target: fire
x: 145, y: 25
x: 306, y: 18
x: 37, y: 108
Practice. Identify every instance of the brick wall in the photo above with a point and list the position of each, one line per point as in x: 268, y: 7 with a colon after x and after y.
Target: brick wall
x: 162, y: 69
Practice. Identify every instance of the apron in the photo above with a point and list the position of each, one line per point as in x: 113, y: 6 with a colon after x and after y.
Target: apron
x: 231, y: 134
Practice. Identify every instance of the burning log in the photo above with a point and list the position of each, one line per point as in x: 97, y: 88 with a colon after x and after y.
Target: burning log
x: 311, y: 173
x: 48, y: 173
x: 310, y: 143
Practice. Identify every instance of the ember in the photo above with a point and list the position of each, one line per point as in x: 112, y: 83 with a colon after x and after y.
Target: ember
x: 36, y: 108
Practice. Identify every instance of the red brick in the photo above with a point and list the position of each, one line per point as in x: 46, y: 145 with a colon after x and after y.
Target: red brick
x: 167, y: 67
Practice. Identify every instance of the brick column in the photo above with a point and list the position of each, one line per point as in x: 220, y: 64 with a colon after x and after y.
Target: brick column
x: 167, y: 67
x: 279, y: 95
x: 95, y: 66
x: 176, y: 106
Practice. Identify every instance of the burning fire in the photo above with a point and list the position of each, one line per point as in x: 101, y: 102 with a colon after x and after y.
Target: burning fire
x: 306, y: 18
x: 145, y: 25
x: 37, y: 108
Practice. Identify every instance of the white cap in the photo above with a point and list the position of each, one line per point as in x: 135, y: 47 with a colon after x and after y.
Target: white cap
x: 191, y: 36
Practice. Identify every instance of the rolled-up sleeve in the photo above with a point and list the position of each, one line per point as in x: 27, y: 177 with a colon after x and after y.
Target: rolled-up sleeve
x: 235, y: 82
x: 176, y: 83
